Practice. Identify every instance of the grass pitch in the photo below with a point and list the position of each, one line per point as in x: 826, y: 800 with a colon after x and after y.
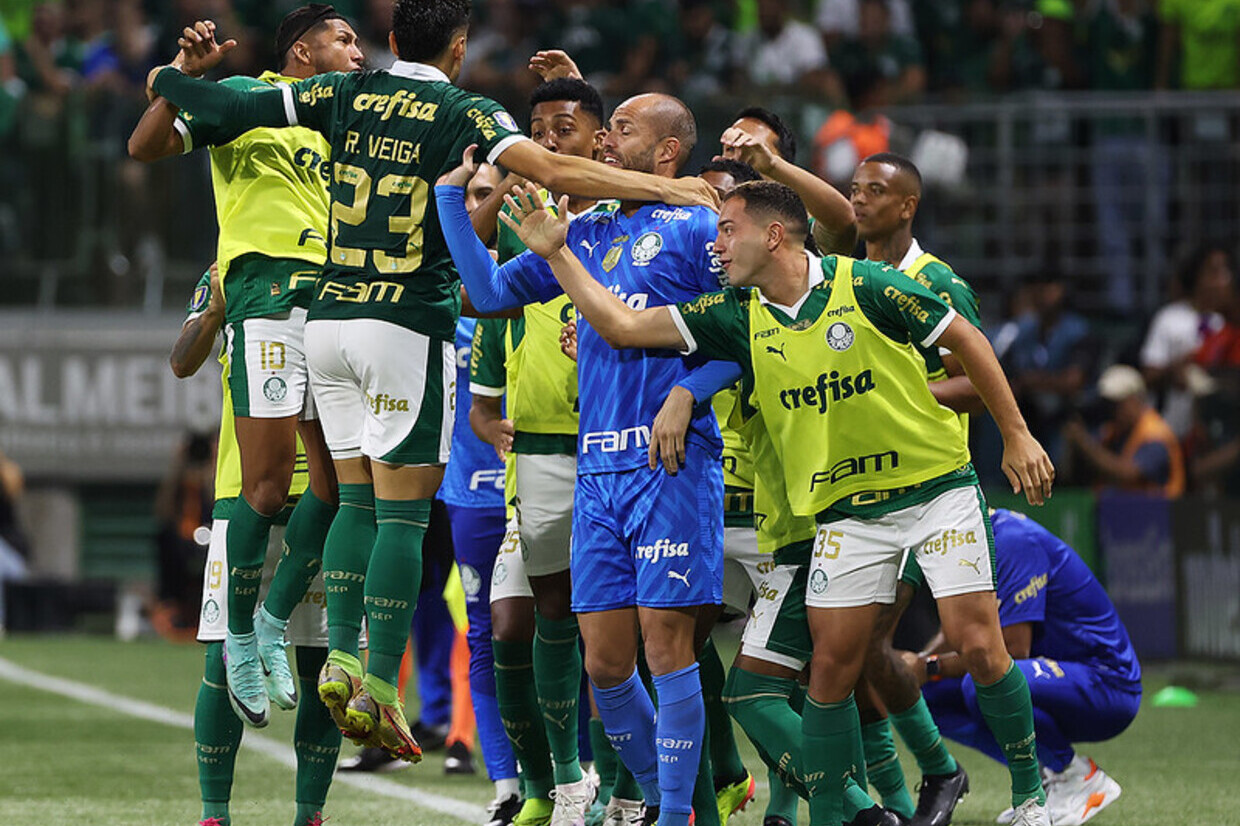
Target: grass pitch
x: 92, y: 760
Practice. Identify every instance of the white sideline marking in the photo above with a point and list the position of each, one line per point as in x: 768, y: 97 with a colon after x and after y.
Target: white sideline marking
x: 274, y: 749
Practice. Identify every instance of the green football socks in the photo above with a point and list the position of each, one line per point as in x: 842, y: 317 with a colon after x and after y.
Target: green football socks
x: 246, y: 548
x: 1008, y: 710
x: 605, y: 759
x: 217, y: 736
x: 782, y: 801
x: 392, y: 581
x: 346, y: 553
x: 557, y: 679
x: 724, y: 757
x: 882, y: 765
x: 303, y: 555
x: 518, y: 709
x: 316, y: 739
x: 760, y: 705
x: 920, y: 733
x: 831, y: 739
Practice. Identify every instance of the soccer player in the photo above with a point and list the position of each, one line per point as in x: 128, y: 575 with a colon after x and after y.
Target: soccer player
x: 473, y: 489
x: 762, y: 688
x: 520, y: 360
x: 1062, y: 630
x: 380, y: 330
x: 217, y: 730
x: 272, y: 201
x: 891, y: 470
x: 885, y: 193
x: 646, y: 546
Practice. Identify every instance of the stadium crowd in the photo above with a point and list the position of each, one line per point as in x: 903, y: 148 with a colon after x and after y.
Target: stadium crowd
x: 341, y: 372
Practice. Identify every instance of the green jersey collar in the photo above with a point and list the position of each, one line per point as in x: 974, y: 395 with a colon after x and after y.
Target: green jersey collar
x: 418, y: 71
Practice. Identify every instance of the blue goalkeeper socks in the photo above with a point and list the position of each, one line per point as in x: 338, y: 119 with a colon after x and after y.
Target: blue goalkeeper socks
x: 679, y: 731
x: 627, y: 713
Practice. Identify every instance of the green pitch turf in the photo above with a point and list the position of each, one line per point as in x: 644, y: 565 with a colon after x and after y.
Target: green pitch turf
x: 68, y: 761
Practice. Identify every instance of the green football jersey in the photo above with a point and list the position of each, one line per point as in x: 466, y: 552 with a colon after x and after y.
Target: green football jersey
x: 392, y: 134
x: 935, y: 275
x: 271, y: 202
x: 893, y: 307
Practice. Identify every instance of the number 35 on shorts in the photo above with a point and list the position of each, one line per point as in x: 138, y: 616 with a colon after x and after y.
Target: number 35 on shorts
x: 827, y: 544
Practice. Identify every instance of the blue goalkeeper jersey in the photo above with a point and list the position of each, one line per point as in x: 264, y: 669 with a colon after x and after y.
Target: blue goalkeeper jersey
x: 1042, y: 581
x: 659, y: 255
x: 474, y: 477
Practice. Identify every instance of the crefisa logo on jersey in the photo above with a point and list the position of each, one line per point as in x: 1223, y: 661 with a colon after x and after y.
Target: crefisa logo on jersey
x: 646, y: 247
x: 274, y: 389
x: 840, y: 336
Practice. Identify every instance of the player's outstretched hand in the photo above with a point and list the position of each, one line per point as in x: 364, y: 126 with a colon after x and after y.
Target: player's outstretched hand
x: 1028, y: 468
x: 541, y: 230
x: 463, y: 173
x: 200, y: 53
x: 692, y: 191
x: 553, y: 64
x: 739, y: 145
x: 667, y: 434
x: 568, y: 339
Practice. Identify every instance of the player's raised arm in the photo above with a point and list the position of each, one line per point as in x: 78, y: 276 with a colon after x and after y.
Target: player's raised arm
x: 1025, y: 463
x: 491, y: 288
x: 836, y: 225
x: 156, y: 135
x: 219, y: 104
x: 587, y: 179
x: 618, y: 324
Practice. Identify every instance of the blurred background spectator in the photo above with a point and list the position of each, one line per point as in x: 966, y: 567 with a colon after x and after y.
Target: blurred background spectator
x: 1205, y: 287
x: 782, y: 51
x: 183, y: 506
x: 1134, y: 450
x: 1048, y: 353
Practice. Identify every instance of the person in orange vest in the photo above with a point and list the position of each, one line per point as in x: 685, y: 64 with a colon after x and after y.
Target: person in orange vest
x: 1137, y: 450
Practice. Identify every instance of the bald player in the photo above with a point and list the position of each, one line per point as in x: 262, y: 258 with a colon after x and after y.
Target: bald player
x: 646, y: 544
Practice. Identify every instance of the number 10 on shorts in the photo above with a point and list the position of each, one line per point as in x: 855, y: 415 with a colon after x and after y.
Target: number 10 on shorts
x: 271, y: 355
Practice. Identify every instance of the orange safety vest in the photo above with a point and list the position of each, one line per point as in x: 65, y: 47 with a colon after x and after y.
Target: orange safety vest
x: 1151, y: 428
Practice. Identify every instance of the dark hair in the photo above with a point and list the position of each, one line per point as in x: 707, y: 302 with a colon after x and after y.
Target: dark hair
x: 741, y: 172
x: 900, y: 162
x: 297, y: 23
x: 775, y: 200
x: 424, y: 28
x: 787, y: 140
x: 570, y: 88
x: 1196, y: 261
